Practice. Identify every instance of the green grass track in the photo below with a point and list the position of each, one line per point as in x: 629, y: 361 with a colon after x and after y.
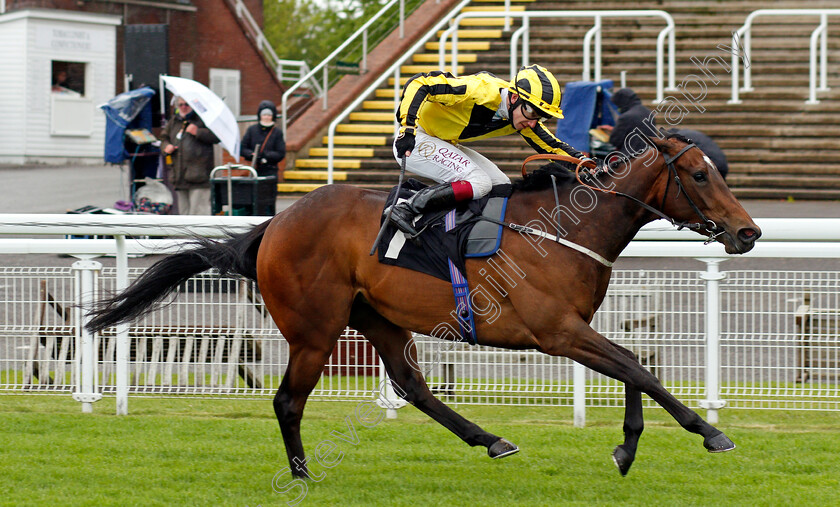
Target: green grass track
x: 221, y: 452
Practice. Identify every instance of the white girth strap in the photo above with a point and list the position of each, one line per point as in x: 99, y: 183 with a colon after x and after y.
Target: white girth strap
x: 566, y: 243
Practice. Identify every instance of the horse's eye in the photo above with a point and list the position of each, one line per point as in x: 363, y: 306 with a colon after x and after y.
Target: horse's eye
x: 699, y: 176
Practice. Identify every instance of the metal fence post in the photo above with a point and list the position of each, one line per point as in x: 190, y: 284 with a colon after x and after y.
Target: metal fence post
x: 386, y: 395
x: 712, y: 276
x: 123, y: 352
x: 87, y: 383
x: 579, y: 394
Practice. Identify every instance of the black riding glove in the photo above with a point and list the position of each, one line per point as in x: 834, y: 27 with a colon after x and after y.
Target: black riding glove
x: 405, y: 141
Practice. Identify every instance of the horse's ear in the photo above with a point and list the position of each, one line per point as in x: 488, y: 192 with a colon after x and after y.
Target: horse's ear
x: 657, y: 142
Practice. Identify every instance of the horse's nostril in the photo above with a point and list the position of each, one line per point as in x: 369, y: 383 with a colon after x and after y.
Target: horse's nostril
x: 748, y: 235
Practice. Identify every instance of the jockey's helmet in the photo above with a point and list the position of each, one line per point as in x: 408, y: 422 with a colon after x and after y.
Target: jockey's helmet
x: 538, y: 87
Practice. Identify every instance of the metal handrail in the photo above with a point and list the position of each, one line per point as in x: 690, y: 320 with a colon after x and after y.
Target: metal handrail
x: 593, y: 33
x: 268, y: 52
x: 361, y: 32
x: 395, y: 68
x: 819, y: 34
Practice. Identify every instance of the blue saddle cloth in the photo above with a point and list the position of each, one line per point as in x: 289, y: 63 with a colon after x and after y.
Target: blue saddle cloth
x: 435, y: 246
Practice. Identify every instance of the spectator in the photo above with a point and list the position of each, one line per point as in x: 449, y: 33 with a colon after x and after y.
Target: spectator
x: 189, y: 145
x: 263, y: 146
x: 709, y: 147
x: 632, y: 115
x: 267, y: 139
x: 442, y: 111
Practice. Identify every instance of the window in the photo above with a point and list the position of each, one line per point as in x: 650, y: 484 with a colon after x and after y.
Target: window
x: 186, y: 70
x: 225, y: 84
x: 68, y: 78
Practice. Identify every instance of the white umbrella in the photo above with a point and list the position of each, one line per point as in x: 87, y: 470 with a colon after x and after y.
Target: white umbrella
x: 212, y: 110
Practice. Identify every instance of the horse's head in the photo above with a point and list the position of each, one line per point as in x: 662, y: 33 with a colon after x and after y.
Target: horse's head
x: 695, y: 193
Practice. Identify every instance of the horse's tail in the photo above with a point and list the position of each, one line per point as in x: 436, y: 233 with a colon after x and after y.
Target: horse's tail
x: 237, y: 254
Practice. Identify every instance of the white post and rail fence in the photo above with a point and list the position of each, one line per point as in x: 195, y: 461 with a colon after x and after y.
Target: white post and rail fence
x: 709, y: 312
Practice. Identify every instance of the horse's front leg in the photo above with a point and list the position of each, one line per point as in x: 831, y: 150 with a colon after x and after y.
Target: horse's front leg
x: 584, y: 345
x: 634, y: 423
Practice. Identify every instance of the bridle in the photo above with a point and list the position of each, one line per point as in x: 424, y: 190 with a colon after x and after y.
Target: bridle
x: 707, y: 227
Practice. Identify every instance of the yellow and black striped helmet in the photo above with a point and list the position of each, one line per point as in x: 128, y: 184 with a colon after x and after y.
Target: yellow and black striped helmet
x: 539, y: 87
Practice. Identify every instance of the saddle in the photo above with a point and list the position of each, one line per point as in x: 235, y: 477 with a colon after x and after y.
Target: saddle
x: 468, y: 235
x: 444, y: 242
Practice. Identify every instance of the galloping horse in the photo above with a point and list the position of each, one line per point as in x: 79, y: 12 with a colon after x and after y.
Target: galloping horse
x: 316, y: 276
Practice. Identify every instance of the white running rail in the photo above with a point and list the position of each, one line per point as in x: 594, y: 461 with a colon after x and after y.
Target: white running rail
x: 819, y: 47
x: 722, y: 314
x: 592, y: 36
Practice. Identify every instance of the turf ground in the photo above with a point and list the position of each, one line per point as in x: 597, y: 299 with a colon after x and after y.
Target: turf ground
x: 224, y: 452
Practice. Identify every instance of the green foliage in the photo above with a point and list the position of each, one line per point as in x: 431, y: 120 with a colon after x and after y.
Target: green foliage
x: 226, y: 452
x: 310, y: 29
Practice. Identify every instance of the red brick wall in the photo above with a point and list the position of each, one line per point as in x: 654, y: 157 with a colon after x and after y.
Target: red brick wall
x: 220, y: 42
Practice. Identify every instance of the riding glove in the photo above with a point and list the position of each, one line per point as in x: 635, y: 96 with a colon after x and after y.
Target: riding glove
x: 405, y: 141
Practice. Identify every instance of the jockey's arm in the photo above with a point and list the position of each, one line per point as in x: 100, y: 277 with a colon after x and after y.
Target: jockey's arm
x: 438, y: 87
x: 543, y: 141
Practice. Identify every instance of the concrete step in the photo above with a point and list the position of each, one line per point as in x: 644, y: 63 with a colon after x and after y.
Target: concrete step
x: 356, y: 140
x: 314, y: 175
x: 788, y: 181
x: 814, y: 194
x: 339, y: 163
x: 462, y: 46
x: 433, y: 58
x: 475, y: 34
x: 366, y: 128
x: 297, y: 188
x: 342, y: 152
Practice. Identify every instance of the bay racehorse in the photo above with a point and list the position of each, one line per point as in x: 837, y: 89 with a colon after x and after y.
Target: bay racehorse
x: 315, y: 274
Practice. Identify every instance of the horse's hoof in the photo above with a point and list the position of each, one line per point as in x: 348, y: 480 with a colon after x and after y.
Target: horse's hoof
x: 622, y: 460
x: 718, y: 443
x: 501, y: 448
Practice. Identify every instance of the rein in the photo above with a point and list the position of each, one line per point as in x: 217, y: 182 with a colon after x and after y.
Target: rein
x: 709, y: 226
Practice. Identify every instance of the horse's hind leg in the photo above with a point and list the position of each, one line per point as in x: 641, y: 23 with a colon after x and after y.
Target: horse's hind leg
x: 306, y: 363
x: 393, y: 345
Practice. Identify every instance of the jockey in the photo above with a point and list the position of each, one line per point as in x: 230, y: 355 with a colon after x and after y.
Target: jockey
x: 439, y: 111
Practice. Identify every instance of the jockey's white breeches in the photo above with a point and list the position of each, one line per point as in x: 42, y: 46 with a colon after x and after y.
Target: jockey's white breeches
x: 444, y: 162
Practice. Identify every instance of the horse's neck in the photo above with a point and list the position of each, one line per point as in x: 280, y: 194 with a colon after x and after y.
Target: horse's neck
x: 603, y: 222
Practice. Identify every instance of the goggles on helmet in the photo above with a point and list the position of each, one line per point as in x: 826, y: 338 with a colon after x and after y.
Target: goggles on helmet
x: 530, y: 112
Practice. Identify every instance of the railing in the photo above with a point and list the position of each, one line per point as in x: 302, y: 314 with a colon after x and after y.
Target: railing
x: 267, y: 51
x: 323, y: 67
x: 594, y: 34
x: 818, y: 37
x: 712, y: 337
x: 393, y: 69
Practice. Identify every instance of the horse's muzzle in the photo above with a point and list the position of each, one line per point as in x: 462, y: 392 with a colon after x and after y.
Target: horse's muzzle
x: 744, y: 240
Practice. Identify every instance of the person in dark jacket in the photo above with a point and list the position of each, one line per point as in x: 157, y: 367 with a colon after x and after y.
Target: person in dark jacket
x: 188, y: 143
x: 632, y: 115
x: 265, y: 137
x: 709, y: 147
x: 264, y: 147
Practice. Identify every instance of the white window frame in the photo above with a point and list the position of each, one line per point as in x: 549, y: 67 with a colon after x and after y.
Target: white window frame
x: 226, y: 83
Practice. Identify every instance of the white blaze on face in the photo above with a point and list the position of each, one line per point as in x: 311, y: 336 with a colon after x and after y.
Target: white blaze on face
x: 709, y: 161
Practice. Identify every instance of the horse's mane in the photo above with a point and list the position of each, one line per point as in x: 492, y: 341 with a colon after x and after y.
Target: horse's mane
x: 564, y: 172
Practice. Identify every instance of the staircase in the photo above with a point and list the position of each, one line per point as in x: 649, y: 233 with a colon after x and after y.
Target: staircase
x: 777, y: 145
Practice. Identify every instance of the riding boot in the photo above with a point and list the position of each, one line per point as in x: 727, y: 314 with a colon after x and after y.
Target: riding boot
x: 429, y: 199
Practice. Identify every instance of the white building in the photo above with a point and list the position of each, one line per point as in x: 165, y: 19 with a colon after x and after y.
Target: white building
x: 56, y: 67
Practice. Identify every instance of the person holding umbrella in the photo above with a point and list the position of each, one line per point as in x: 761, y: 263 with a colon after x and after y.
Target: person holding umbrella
x: 188, y: 146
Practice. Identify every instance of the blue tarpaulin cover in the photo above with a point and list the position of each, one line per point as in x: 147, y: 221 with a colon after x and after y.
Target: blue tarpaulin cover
x: 579, y: 104
x: 131, y: 109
